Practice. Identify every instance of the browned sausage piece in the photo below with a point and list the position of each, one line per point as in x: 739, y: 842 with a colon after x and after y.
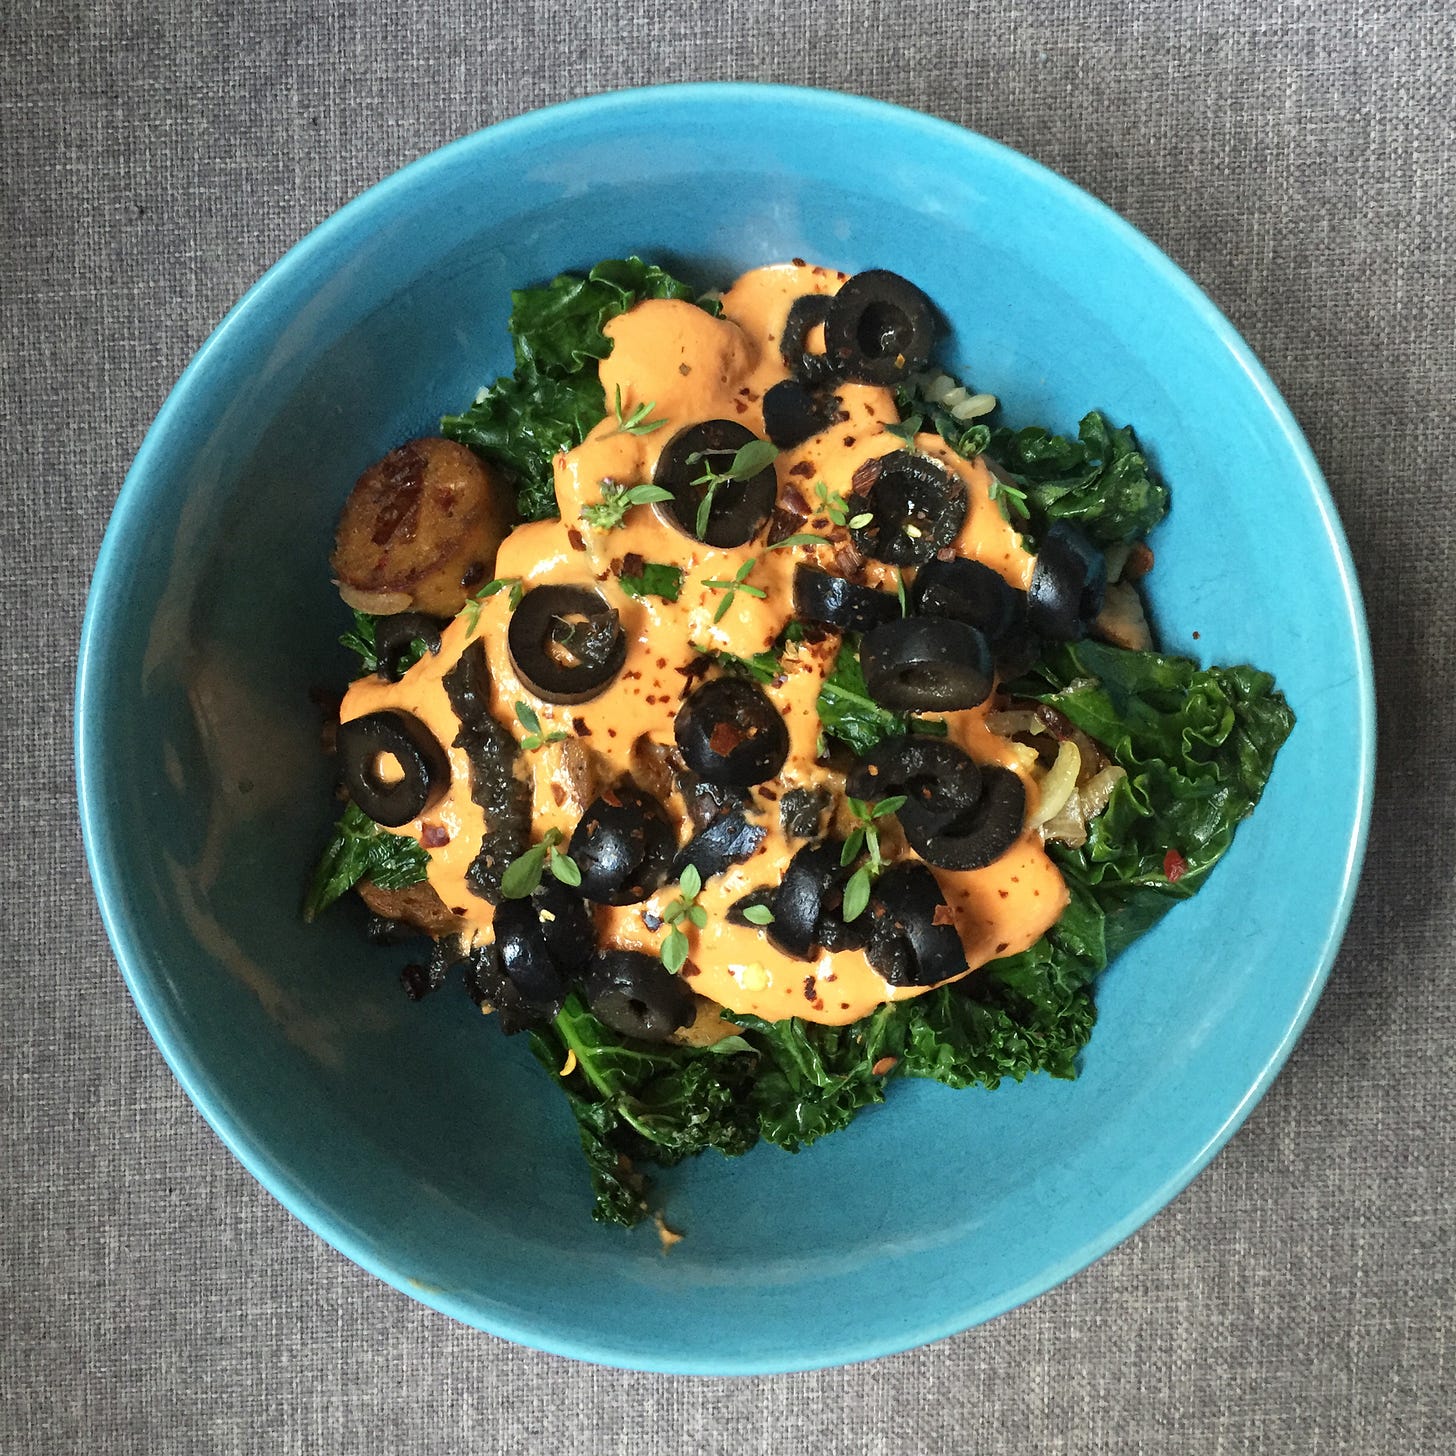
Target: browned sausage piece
x: 416, y: 905
x: 420, y: 530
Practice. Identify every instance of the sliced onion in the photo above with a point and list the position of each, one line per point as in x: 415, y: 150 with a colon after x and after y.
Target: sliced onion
x: 1010, y: 721
x: 1026, y: 755
x: 1068, y: 827
x: 1058, y: 785
x: 1095, y: 793
x: 972, y: 406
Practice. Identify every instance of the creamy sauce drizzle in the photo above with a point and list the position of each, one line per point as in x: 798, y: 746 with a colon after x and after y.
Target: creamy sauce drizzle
x: 694, y: 367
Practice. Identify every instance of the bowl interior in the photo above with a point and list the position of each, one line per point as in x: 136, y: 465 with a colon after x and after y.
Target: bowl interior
x: 416, y: 1138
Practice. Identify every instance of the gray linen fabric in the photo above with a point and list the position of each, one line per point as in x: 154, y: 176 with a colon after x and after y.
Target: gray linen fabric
x: 1296, y: 157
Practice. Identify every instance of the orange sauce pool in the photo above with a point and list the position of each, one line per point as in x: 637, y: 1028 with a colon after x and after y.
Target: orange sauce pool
x: 691, y: 366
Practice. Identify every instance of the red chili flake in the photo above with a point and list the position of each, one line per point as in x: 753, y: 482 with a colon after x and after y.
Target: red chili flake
x: 804, y: 468
x: 810, y: 988
x: 630, y: 565
x: 946, y: 553
x: 582, y: 731
x: 725, y: 737
x: 740, y: 406
x: 457, y: 909
x: 799, y: 263
x: 1197, y: 635
x: 865, y: 475
x: 689, y: 970
x: 432, y: 836
x: 1174, y: 866
x: 684, y: 370
x: 943, y: 915
x: 575, y: 537
x: 1002, y: 946
x: 885, y: 1064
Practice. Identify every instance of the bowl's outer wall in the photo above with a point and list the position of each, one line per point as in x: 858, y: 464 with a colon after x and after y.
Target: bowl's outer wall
x: 417, y: 1139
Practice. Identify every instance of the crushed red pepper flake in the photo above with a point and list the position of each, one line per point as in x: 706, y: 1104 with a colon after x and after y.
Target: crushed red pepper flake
x: 1174, y: 866
x: 432, y: 836
x: 884, y: 1065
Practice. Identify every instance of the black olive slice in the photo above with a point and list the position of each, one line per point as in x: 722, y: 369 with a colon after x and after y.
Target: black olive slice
x: 636, y: 995
x: 916, y: 508
x: 392, y: 765
x: 800, y: 811
x: 566, y: 643
x: 812, y: 874
x: 1067, y: 584
x: 623, y: 846
x: 804, y: 313
x: 927, y: 664
x: 940, y: 781
x: 704, y: 802
x: 1018, y: 651
x: 906, y: 946
x: 728, y: 732
x: 739, y: 509
x: 837, y: 934
x: 525, y: 957
x: 793, y: 414
x: 394, y: 635
x: 728, y: 840
x: 566, y: 924
x: 880, y: 329
x: 820, y: 596
x: 488, y: 985
x: 967, y: 591
x: 983, y: 834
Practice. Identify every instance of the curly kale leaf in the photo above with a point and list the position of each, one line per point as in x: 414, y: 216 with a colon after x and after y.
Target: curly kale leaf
x: 554, y: 396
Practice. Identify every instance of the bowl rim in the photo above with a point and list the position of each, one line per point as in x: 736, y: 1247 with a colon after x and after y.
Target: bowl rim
x: 101, y: 845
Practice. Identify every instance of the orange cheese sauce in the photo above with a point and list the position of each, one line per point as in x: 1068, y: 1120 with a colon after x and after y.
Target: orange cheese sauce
x: 690, y: 367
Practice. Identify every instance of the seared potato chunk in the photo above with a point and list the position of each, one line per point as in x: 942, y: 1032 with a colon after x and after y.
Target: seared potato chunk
x: 416, y: 905
x: 420, y: 530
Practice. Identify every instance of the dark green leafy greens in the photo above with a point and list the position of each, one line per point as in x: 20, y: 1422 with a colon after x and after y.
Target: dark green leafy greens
x: 554, y: 396
x: 1198, y: 745
x: 361, y: 639
x: 848, y: 713
x: 359, y: 849
x: 655, y: 579
x: 1101, y: 480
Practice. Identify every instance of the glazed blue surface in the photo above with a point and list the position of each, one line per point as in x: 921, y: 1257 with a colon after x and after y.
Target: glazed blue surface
x: 415, y: 1138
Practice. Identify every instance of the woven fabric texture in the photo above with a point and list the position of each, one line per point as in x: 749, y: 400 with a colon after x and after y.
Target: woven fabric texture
x: 1297, y: 157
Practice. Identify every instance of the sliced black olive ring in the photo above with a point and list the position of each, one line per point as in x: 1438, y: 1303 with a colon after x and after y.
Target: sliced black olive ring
x: 392, y: 765
x: 880, y: 329
x: 977, y: 837
x: 927, y: 664
x: 804, y: 313
x: 728, y: 840
x: 525, y: 956
x: 967, y: 591
x: 566, y: 643
x: 728, y: 732
x: 915, y: 505
x: 793, y: 413
x: 813, y: 874
x: 739, y: 509
x: 906, y: 945
x: 822, y: 597
x: 940, y: 781
x: 623, y: 846
x: 637, y: 996
x: 800, y: 811
x: 1067, y: 584
x: 394, y: 635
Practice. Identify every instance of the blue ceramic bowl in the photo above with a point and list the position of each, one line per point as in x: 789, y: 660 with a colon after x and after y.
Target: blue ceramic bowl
x: 416, y: 1139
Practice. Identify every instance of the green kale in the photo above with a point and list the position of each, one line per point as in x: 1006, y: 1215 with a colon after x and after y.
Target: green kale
x: 1101, y: 480
x: 359, y: 849
x: 361, y: 638
x: 847, y: 712
x: 654, y: 580
x: 554, y: 396
x: 1198, y: 745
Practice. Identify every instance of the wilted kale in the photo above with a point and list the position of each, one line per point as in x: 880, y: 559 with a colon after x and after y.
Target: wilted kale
x: 361, y: 638
x: 1198, y: 745
x: 848, y: 713
x: 360, y: 849
x: 1101, y: 480
x: 554, y: 396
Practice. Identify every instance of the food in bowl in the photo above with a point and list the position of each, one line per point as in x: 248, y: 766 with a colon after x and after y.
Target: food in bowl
x: 802, y: 733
